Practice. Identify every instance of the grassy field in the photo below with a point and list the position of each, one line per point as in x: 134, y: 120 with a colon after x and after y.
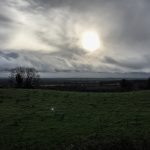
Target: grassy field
x: 42, y: 120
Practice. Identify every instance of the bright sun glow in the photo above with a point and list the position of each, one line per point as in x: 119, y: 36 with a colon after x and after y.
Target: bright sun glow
x: 90, y: 41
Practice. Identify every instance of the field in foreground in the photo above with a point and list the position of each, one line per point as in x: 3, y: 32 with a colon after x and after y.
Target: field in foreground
x: 42, y: 119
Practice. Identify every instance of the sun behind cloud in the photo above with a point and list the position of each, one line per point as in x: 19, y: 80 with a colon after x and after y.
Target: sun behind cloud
x: 90, y: 41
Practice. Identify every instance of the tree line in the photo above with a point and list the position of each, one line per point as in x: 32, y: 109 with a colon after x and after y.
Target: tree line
x: 24, y: 77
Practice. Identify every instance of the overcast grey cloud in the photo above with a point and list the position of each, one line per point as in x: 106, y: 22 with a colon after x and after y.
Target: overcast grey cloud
x: 10, y: 55
x: 46, y: 34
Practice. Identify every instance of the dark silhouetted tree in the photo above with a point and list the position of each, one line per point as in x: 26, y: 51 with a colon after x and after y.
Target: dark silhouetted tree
x: 19, y: 80
x: 32, y: 77
x: 148, y: 83
x: 125, y: 84
x: 24, y: 77
x: 17, y: 76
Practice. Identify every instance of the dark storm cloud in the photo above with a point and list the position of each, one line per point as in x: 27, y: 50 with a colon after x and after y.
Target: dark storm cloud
x: 132, y: 64
x: 4, y: 19
x: 44, y: 62
x: 9, y: 55
x: 42, y: 34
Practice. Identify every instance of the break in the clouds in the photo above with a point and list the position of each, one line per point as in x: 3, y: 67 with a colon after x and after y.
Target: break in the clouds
x: 46, y: 34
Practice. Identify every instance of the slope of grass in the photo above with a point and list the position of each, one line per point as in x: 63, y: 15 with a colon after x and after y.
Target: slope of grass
x: 42, y: 119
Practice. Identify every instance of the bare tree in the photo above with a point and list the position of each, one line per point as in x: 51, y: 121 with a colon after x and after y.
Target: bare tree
x: 24, y: 77
x: 17, y: 76
x: 32, y: 77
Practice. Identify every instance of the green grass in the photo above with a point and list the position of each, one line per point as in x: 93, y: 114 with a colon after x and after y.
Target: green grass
x: 79, y: 120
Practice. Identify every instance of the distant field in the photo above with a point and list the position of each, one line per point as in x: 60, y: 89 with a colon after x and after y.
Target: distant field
x: 43, y: 119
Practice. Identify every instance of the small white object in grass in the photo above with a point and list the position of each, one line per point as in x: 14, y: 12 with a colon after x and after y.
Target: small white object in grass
x: 52, y: 109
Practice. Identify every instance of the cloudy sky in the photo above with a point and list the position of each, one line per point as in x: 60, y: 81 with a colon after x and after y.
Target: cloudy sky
x: 47, y: 35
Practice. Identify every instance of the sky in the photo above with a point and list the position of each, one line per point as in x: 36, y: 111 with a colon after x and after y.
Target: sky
x: 47, y: 34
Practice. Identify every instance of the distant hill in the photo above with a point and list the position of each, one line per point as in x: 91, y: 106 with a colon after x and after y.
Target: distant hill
x: 78, y: 74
